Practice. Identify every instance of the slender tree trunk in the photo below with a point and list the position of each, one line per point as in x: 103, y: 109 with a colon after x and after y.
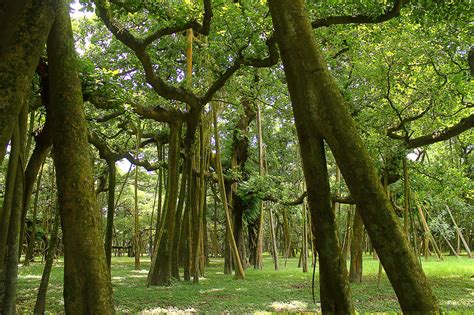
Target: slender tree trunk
x: 319, y: 108
x: 355, y: 270
x: 259, y: 250
x: 31, y: 173
x: 30, y: 251
x: 274, y: 238
x: 40, y: 304
x: 304, y: 251
x: 87, y: 287
x: 136, y: 234
x: 178, y: 233
x: 13, y: 245
x: 110, y: 212
x: 9, y: 194
x: 406, y: 197
x: 239, y: 270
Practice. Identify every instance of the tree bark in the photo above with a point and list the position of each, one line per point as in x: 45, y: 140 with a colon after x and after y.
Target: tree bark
x: 87, y: 287
x: 160, y: 270
x: 318, y: 102
x: 13, y: 243
x: 22, y: 38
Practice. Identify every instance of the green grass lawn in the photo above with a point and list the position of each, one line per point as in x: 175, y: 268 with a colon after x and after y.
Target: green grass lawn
x: 288, y: 289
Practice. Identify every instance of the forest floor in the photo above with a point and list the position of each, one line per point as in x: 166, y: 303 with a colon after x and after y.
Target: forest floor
x: 288, y: 289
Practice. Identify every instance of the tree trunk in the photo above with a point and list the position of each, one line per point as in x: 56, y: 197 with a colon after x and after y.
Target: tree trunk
x: 136, y: 230
x: 304, y: 247
x: 274, y: 238
x: 319, y: 108
x: 31, y: 173
x: 239, y: 270
x: 357, y: 247
x: 87, y: 287
x: 406, y: 197
x: 30, y: 251
x: 110, y: 212
x: 24, y: 27
x: 13, y: 245
x: 160, y: 269
x: 259, y: 249
x: 43, y: 288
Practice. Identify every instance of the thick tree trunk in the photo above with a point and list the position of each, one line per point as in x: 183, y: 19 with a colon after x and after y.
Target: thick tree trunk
x: 24, y: 28
x: 318, y: 103
x: 357, y: 246
x: 87, y: 287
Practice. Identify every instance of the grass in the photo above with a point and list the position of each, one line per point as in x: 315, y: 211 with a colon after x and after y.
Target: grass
x: 263, y: 290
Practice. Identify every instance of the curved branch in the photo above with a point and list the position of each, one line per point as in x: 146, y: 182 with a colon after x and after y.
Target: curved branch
x: 464, y: 124
x: 360, y: 19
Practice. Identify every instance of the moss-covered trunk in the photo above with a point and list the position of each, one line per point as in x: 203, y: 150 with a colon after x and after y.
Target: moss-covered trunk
x: 87, y: 287
x: 13, y: 241
x: 24, y: 27
x: 316, y: 99
x: 160, y: 270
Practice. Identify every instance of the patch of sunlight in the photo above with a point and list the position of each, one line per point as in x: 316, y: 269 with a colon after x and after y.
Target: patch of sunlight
x: 202, y: 278
x: 171, y: 310
x: 140, y: 271
x: 211, y: 290
x: 289, y: 306
x: 137, y: 276
x: 219, y: 273
x: 29, y: 277
x: 453, y: 303
x: 241, y: 289
x: 118, y: 279
x: 262, y: 313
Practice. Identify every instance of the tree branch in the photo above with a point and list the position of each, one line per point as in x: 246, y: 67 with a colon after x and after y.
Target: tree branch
x: 464, y: 124
x: 360, y: 19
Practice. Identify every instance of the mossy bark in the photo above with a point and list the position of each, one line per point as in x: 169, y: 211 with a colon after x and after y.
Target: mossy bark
x: 87, y: 287
x: 13, y: 242
x: 317, y: 100
x: 160, y: 270
x: 22, y: 38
